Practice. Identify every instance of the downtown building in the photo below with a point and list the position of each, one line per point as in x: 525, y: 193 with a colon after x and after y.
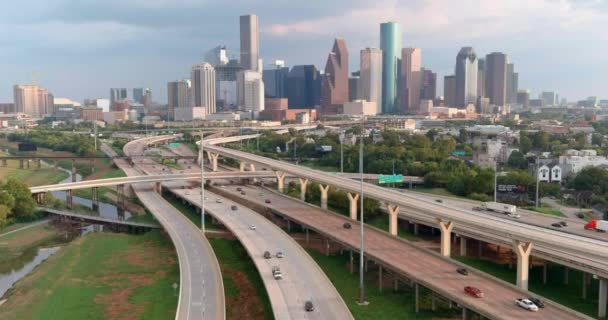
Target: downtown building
x: 250, y: 42
x: 275, y: 80
x: 178, y: 96
x: 250, y: 89
x: 466, y: 77
x: 117, y: 94
x: 304, y: 87
x: 203, y: 94
x: 335, y: 80
x: 370, y: 77
x: 32, y: 100
x: 496, y: 78
x: 411, y: 80
x: 390, y: 44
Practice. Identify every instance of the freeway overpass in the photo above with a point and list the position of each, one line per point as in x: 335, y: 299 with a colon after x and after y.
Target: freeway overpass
x: 590, y: 255
x: 98, y: 219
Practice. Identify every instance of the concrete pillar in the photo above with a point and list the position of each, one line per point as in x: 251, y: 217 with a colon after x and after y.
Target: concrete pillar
x: 307, y: 236
x: 68, y: 198
x: 324, y: 193
x: 351, y: 261
x: 566, y: 273
x: 463, y: 246
x: 416, y: 294
x: 4, y: 163
x: 303, y: 185
x: 415, y: 229
x: 21, y: 164
x: 479, y: 249
x: 523, y: 250
x: 95, y: 200
x: 433, y: 302
x: 393, y: 211
x: 353, y: 198
x: 327, y: 247
x: 380, y: 278
x: 158, y: 187
x: 120, y: 190
x: 28, y: 163
x: 288, y: 226
x: 39, y: 163
x: 252, y: 167
x: 396, y: 284
x: 446, y: 230
x: 464, y: 313
x: 242, y: 165
x: 214, y: 157
x: 545, y: 272
x: 584, y: 293
x: 73, y: 170
x: 280, y: 180
x: 603, y: 295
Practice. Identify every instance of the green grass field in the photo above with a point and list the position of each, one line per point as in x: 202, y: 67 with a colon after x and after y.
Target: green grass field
x: 16, y: 244
x: 189, y: 211
x: 100, y: 276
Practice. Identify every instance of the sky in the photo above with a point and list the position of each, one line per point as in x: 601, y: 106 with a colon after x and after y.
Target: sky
x: 81, y: 48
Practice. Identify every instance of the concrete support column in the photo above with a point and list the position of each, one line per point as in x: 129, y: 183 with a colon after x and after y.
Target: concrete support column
x: 523, y: 250
x: 464, y: 313
x: 327, y: 247
x: 393, y: 211
x: 158, y: 187
x: 603, y: 296
x: 39, y: 163
x: 463, y: 246
x: 416, y: 293
x: 446, y: 230
x: 433, y: 301
x: 351, y: 261
x: 21, y: 164
x: 307, y: 236
x: 545, y: 272
x: 353, y: 198
x: 303, y: 185
x: 214, y: 157
x: 4, y: 163
x: 288, y: 226
x: 396, y: 284
x: 28, y: 163
x: 252, y: 167
x: 324, y: 192
x: 280, y: 180
x: 120, y: 190
x: 584, y: 293
x: 73, y: 170
x: 380, y: 278
x: 242, y: 165
x: 566, y: 274
x: 68, y: 198
x: 415, y: 229
x: 95, y: 200
x: 479, y: 249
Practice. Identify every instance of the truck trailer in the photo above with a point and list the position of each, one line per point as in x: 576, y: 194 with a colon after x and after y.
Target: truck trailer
x: 499, y: 207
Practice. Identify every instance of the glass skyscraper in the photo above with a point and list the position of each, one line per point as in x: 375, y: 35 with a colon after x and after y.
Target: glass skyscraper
x: 390, y: 44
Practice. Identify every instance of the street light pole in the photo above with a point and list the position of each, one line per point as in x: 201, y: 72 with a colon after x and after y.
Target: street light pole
x: 495, y: 180
x: 341, y: 152
x: 537, y: 181
x: 202, y: 156
x: 362, y: 249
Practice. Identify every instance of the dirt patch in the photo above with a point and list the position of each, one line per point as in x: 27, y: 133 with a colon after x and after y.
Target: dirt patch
x: 247, y: 304
x: 116, y: 303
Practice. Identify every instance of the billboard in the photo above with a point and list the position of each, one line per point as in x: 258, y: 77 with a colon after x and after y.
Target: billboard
x: 27, y: 147
x: 511, y: 188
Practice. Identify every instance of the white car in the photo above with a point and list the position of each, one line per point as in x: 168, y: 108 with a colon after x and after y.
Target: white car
x: 514, y: 215
x: 218, y: 200
x: 526, y: 304
x: 252, y: 227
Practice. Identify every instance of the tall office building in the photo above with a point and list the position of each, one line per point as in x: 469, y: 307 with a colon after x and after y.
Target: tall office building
x: 511, y: 85
x: 370, y: 77
x: 203, y: 88
x: 496, y: 78
x: 138, y: 94
x: 428, y: 90
x: 353, y: 86
x: 549, y: 98
x: 523, y: 98
x: 275, y: 80
x: 225, y: 85
x: 481, y: 78
x: 250, y: 89
x: 466, y: 77
x: 304, y: 87
x: 178, y: 95
x: 32, y: 100
x: 390, y: 44
x: 334, y: 87
x: 449, y: 90
x: 217, y: 56
x: 250, y: 42
x: 411, y: 79
x: 117, y: 94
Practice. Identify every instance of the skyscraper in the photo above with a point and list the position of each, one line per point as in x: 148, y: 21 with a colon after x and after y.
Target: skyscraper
x: 512, y: 83
x: 178, y: 95
x: 225, y: 84
x: 496, y: 78
x: 203, y: 87
x: 449, y: 90
x: 481, y: 78
x: 32, y: 100
x: 353, y: 86
x: 466, y: 77
x: 304, y: 87
x: 390, y: 44
x: 250, y: 89
x: 275, y: 80
x: 138, y: 94
x: 117, y: 94
x: 250, y: 42
x: 370, y: 79
x: 428, y: 90
x: 334, y: 86
x: 411, y: 79
x: 217, y: 56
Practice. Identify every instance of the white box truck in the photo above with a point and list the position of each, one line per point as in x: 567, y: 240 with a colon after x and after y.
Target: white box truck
x: 499, y: 207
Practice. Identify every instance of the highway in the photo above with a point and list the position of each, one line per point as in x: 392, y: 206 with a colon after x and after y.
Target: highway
x: 93, y: 218
x: 303, y: 279
x: 423, y: 266
x: 201, y: 287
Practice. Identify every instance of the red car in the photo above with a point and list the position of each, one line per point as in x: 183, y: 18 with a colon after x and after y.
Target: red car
x: 475, y: 292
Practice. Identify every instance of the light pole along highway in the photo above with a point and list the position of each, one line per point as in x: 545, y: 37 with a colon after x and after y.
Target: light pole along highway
x: 201, y: 156
x: 362, y: 249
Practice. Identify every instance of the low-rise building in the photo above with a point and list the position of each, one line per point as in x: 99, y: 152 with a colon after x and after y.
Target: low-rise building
x: 360, y: 107
x: 91, y: 114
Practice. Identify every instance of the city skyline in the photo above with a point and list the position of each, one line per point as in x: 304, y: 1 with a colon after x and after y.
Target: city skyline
x: 102, y: 47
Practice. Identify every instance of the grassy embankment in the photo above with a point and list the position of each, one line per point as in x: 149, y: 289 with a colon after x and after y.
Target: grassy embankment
x: 20, y: 243
x: 100, y: 276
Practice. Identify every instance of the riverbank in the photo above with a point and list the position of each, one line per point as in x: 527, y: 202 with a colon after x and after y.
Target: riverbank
x: 101, y: 276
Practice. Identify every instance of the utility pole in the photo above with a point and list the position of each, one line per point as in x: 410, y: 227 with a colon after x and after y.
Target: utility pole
x: 495, y: 180
x: 95, y: 133
x: 202, y: 156
x: 537, y: 181
x: 258, y: 142
x: 362, y: 248
x: 342, y: 152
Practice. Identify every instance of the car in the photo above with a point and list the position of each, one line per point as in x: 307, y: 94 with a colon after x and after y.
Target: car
x: 239, y: 189
x: 526, y: 304
x: 308, y: 306
x: 538, y: 302
x: 600, y: 230
x: 478, y: 209
x: 346, y: 225
x: 252, y: 227
x: 473, y: 291
x: 267, y: 255
x: 557, y: 225
x: 463, y: 271
x: 563, y: 223
x: 218, y: 200
x: 581, y: 215
x: 276, y: 273
x: 280, y: 254
x: 242, y: 193
x: 233, y: 207
x: 267, y: 200
x: 514, y: 215
x: 439, y: 200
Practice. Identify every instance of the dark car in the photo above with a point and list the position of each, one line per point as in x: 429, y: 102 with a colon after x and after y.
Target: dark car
x: 267, y: 201
x: 539, y: 303
x: 308, y: 306
x: 563, y: 223
x: 439, y: 200
x: 557, y: 225
x: 463, y: 271
x: 242, y: 193
x: 346, y: 225
x: 233, y: 207
x: 267, y: 255
x: 580, y: 215
x: 239, y: 189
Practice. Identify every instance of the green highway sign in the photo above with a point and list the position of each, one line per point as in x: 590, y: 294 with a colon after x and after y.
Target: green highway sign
x: 396, y: 178
x: 173, y: 145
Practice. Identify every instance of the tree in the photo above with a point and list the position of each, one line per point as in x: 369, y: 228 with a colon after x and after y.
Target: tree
x: 525, y: 144
x: 517, y: 160
x: 24, y: 203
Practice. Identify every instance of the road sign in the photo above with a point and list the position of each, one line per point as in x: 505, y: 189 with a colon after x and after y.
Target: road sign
x: 173, y: 145
x: 395, y: 178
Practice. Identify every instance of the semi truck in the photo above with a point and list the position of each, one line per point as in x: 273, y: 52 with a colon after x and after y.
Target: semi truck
x: 597, y: 225
x: 499, y: 207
